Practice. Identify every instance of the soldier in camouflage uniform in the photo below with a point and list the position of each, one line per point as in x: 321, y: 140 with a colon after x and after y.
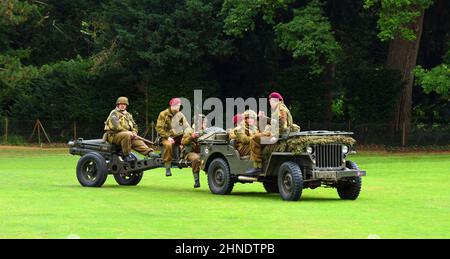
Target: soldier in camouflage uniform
x: 171, y: 125
x: 122, y: 130
x: 245, y: 132
x: 280, y: 123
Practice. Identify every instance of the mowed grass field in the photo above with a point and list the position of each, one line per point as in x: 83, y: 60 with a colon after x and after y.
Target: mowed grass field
x: 403, y: 196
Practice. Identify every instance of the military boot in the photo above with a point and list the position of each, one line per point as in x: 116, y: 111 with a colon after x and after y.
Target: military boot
x: 129, y: 159
x: 256, y: 170
x: 168, y: 172
x: 196, y: 182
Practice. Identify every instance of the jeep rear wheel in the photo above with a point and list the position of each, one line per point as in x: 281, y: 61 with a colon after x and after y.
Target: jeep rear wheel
x: 92, y: 170
x: 349, y: 188
x: 290, y: 181
x: 219, y: 177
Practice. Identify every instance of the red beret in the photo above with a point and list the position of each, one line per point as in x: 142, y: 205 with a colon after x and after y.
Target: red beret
x: 237, y: 118
x: 175, y: 101
x: 276, y: 95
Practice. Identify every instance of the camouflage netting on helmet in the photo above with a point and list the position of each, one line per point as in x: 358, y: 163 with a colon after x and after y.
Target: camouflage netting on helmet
x: 298, y: 144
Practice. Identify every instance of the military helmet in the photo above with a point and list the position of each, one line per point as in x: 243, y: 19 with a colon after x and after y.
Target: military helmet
x: 123, y: 100
x: 250, y: 114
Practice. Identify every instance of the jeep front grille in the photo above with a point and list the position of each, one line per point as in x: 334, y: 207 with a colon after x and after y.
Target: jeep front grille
x: 328, y: 156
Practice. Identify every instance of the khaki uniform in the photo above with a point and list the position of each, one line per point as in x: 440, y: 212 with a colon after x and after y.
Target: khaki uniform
x: 282, y: 118
x: 120, y: 128
x: 256, y: 148
x: 281, y: 122
x: 244, y: 135
x: 191, y: 152
x: 171, y: 125
x: 232, y: 132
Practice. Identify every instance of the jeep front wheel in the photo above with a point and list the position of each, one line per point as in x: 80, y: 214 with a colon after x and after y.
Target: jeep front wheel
x: 350, y: 187
x: 290, y: 181
x: 219, y: 177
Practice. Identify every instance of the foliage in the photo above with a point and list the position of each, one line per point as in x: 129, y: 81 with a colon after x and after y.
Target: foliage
x: 436, y: 79
x: 371, y: 94
x: 305, y: 99
x: 12, y: 74
x: 240, y: 15
x: 397, y: 15
x: 15, y: 12
x: 62, y: 91
x: 69, y: 60
x: 309, y: 35
x: 297, y: 145
x: 154, y: 34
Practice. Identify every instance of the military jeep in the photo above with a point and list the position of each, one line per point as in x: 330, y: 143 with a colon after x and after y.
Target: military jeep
x: 300, y: 160
x: 100, y: 158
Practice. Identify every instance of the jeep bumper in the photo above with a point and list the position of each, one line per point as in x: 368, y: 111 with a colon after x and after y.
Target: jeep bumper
x: 338, y: 174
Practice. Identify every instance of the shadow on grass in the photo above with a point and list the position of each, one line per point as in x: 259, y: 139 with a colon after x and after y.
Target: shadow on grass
x: 140, y: 188
x: 202, y: 191
x: 276, y: 196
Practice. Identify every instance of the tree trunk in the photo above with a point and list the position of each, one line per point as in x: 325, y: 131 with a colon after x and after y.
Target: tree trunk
x: 402, y: 56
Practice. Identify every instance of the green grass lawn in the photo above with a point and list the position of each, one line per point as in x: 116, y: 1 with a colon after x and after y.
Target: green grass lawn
x: 403, y: 196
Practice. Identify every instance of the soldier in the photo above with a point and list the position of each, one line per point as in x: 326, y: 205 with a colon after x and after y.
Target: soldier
x: 122, y: 130
x: 191, y: 150
x: 200, y: 123
x: 170, y: 126
x: 281, y: 119
x: 245, y: 132
x: 280, y: 123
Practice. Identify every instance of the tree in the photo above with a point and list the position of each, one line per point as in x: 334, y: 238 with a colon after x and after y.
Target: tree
x: 401, y: 23
x: 14, y: 14
x: 158, y: 42
x: 307, y: 35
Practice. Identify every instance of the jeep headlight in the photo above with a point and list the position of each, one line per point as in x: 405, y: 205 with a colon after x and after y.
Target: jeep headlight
x: 309, y: 150
x: 206, y: 150
x: 344, y: 149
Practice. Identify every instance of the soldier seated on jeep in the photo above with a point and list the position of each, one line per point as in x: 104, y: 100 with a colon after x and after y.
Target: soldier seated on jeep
x: 170, y: 126
x: 245, y: 132
x: 281, y: 122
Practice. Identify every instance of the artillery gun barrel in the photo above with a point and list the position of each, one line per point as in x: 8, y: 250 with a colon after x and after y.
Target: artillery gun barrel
x: 81, y: 148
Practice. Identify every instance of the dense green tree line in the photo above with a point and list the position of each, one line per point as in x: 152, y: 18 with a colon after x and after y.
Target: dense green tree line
x: 367, y: 60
